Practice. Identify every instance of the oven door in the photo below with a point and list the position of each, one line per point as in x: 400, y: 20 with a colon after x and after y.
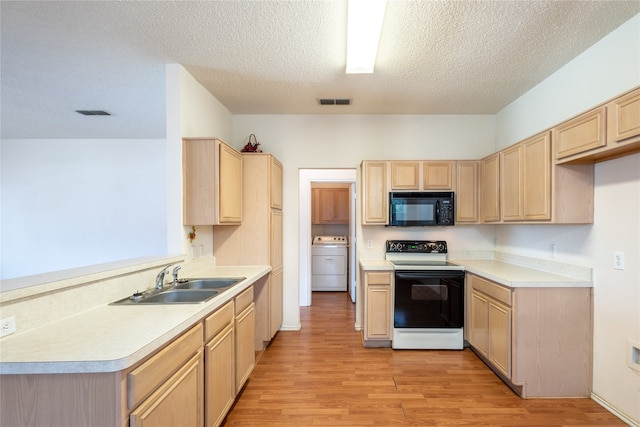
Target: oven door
x: 429, y: 299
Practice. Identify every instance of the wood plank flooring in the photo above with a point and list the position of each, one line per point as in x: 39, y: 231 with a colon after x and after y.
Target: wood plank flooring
x: 322, y: 376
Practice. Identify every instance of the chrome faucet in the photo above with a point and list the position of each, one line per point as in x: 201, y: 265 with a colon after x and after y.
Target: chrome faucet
x: 160, y: 276
x: 175, y: 276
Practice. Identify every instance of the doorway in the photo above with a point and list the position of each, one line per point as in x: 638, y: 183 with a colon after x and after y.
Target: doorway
x: 307, y: 178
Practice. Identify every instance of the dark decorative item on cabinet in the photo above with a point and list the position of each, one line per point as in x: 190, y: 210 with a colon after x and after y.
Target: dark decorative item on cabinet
x: 252, y: 147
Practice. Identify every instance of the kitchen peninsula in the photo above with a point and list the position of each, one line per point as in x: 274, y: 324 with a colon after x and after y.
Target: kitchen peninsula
x: 112, y: 364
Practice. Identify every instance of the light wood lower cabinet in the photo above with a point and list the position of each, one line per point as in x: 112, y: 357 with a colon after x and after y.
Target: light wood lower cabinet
x: 538, y: 340
x: 378, y: 308
x: 177, y: 402
x: 220, y: 378
x: 245, y: 321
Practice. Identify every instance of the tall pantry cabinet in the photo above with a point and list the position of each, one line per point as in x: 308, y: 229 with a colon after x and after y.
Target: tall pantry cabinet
x: 258, y: 240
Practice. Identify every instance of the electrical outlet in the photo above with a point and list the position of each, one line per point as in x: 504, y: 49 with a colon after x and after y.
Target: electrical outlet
x: 8, y: 326
x: 553, y: 248
x: 369, y: 244
x: 618, y: 260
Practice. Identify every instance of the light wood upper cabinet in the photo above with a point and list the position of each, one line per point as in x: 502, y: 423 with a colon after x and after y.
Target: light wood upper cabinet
x: 623, y: 122
x: 437, y: 175
x: 330, y: 206
x: 212, y: 180
x: 276, y: 183
x: 526, y: 180
x: 405, y: 175
x: 511, y: 183
x: 375, y: 197
x: 490, y: 185
x: 466, y: 191
x: 583, y: 133
x: 536, y: 177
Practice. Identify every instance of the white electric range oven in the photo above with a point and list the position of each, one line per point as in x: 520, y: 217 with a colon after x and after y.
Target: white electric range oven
x: 428, y: 303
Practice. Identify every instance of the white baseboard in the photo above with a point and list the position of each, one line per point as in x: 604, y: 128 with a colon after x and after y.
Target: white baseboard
x: 602, y: 402
x: 291, y: 327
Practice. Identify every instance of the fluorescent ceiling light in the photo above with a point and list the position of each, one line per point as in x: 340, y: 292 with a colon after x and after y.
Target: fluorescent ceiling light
x: 363, y: 34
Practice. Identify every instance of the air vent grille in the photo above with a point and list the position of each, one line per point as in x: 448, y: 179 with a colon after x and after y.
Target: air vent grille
x: 334, y: 101
x: 93, y: 113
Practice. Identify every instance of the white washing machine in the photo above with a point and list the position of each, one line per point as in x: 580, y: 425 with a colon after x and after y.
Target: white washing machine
x: 329, y: 263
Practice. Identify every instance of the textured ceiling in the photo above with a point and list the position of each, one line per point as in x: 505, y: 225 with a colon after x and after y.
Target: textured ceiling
x: 277, y: 57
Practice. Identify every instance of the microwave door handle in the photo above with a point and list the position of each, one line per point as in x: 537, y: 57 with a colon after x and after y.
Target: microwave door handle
x: 437, y: 211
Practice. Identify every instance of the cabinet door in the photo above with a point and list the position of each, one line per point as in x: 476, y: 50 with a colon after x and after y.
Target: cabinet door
x: 245, y: 345
x: 178, y: 402
x: 511, y: 183
x: 491, y: 188
x: 230, y: 186
x: 479, y: 322
x: 342, y: 204
x: 378, y: 313
x: 583, y: 133
x: 405, y: 175
x: 536, y: 177
x: 375, y: 203
x: 275, y: 318
x: 220, y: 380
x: 624, y: 117
x: 467, y: 192
x: 437, y: 175
x: 276, y: 239
x: 326, y: 206
x: 276, y: 184
x: 500, y: 337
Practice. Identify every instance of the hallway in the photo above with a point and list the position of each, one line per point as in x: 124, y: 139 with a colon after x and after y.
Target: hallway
x: 322, y: 376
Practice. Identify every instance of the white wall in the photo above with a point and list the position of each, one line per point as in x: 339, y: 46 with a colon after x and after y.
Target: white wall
x: 607, y: 69
x: 330, y: 141
x: 78, y: 202
x: 191, y: 112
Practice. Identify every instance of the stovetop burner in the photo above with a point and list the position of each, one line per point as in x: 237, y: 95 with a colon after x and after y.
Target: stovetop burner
x: 419, y: 255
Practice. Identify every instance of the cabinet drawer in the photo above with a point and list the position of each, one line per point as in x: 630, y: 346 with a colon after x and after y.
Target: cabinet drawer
x: 495, y: 291
x: 218, y: 320
x: 244, y: 300
x: 379, y: 278
x: 143, y: 380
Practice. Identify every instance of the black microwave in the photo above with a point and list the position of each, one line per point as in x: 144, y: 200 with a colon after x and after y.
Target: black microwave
x: 424, y: 208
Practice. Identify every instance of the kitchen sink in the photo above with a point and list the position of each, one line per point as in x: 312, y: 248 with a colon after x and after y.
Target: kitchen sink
x: 170, y: 296
x: 210, y: 283
x: 188, y: 291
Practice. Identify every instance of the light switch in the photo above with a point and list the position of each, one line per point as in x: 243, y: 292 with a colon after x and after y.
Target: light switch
x: 618, y: 260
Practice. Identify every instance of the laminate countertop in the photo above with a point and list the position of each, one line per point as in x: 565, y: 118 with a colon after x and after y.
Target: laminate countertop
x: 504, y: 273
x: 112, y: 338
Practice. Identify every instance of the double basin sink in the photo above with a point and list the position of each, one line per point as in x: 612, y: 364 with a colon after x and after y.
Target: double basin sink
x: 188, y: 291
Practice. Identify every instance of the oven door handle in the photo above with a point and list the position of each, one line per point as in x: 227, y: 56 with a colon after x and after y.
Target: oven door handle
x: 430, y: 274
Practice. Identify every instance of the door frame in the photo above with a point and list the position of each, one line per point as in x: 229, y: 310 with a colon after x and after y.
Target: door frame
x: 308, y: 176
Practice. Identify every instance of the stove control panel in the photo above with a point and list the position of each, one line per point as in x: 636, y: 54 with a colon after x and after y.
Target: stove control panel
x: 417, y: 246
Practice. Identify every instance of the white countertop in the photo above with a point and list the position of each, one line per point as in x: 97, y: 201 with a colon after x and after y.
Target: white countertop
x: 111, y: 338
x: 504, y: 273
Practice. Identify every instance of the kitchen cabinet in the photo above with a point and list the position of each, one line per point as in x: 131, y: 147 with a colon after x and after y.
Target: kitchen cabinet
x: 491, y: 322
x: 437, y: 175
x: 375, y: 196
x: 405, y: 175
x: 526, y: 179
x: 606, y: 132
x: 490, y: 186
x: 245, y: 322
x: 168, y: 388
x: 580, y: 134
x: 220, y: 379
x: 537, y: 339
x: 212, y: 182
x: 466, y: 192
x: 378, y: 308
x: 330, y: 206
x: 258, y: 240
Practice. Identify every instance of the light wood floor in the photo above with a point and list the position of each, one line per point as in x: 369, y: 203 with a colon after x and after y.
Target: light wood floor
x: 322, y: 376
